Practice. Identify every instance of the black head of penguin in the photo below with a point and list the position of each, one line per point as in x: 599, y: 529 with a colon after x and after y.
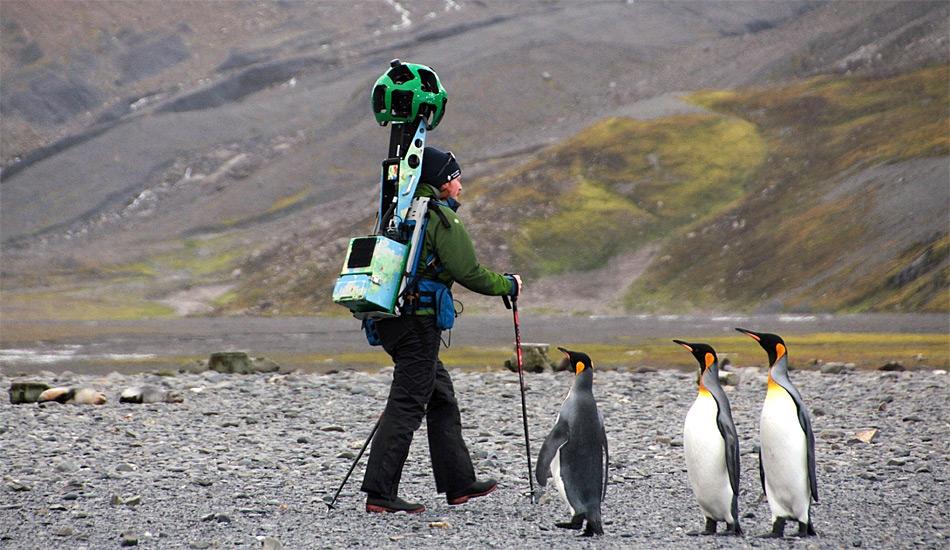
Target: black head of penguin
x: 580, y: 361
x: 704, y: 354
x: 771, y: 343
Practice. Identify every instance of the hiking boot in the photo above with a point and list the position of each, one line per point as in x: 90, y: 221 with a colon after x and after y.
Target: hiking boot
x: 477, y: 489
x: 396, y: 504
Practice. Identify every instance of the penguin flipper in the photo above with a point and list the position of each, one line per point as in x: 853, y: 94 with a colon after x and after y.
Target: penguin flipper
x: 554, y: 441
x: 731, y: 439
x: 762, y: 472
x: 804, y: 420
x: 603, y: 434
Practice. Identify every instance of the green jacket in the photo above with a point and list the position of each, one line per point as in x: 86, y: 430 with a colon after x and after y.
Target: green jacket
x: 456, y: 254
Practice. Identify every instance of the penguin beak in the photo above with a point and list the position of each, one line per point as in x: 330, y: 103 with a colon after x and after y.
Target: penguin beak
x: 685, y: 345
x: 566, y: 362
x: 755, y: 335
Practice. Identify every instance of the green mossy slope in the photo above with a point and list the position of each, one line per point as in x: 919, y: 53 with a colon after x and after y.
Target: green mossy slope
x: 787, y: 246
x: 624, y: 182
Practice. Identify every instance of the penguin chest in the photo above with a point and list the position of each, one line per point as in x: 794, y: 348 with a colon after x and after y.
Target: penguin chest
x: 559, y: 481
x: 705, y: 452
x: 784, y: 455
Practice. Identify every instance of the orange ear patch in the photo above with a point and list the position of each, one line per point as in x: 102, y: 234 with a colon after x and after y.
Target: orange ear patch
x: 578, y: 367
x: 779, y: 351
x: 710, y: 359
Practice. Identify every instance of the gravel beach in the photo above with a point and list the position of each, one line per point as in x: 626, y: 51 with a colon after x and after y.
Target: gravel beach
x: 249, y: 461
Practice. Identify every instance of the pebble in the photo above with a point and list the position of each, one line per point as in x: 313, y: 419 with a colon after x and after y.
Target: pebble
x: 259, y: 486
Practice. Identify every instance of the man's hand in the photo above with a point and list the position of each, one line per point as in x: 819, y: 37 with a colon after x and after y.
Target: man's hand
x: 516, y: 281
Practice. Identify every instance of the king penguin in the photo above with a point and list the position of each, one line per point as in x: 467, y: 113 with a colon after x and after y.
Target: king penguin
x: 575, y: 453
x: 787, y: 444
x: 711, y: 445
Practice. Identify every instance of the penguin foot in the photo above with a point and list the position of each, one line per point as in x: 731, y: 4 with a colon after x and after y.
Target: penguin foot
x: 576, y: 523
x: 778, y: 530
x: 806, y: 529
x: 709, y: 530
x: 593, y: 528
x: 731, y: 530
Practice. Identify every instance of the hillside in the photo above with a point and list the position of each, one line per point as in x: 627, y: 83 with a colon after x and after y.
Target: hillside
x: 848, y: 213
x: 824, y: 195
x: 216, y: 158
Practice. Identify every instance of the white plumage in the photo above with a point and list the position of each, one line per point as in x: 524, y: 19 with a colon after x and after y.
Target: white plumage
x: 784, y: 456
x: 705, y: 453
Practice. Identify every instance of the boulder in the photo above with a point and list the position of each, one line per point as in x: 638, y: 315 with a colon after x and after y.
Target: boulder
x: 239, y: 362
x: 534, y: 359
x: 894, y: 366
x: 26, y: 391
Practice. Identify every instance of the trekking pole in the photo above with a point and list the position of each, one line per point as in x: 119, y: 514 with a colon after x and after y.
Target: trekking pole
x: 513, y: 306
x: 355, y: 462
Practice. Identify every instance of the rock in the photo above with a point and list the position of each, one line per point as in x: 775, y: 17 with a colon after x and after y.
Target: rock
x: 238, y: 362
x: 534, y: 358
x: 195, y: 367
x: 64, y: 531
x: 73, y: 396
x: 148, y: 393
x: 133, y: 500
x: 26, y: 391
x: 440, y: 524
x: 833, y: 368
x: 66, y: 466
x: 303, y: 439
x: 892, y: 366
x: 16, y: 485
x: 331, y: 428
x: 270, y: 543
x: 230, y: 362
x: 897, y: 462
x: 263, y: 364
x: 866, y: 436
x: 729, y: 378
x: 129, y: 538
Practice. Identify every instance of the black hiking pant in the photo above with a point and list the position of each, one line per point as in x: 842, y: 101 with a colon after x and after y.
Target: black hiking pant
x: 421, y: 388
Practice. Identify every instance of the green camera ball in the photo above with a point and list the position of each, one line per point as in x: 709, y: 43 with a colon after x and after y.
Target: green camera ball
x: 407, y: 91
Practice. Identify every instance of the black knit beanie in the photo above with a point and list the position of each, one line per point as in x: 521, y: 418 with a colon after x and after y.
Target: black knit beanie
x: 438, y: 168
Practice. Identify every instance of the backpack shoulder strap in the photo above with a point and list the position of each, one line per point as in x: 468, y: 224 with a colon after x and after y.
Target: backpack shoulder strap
x: 434, y: 207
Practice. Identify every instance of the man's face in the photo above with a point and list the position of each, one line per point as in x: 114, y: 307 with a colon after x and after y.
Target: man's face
x: 452, y: 189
